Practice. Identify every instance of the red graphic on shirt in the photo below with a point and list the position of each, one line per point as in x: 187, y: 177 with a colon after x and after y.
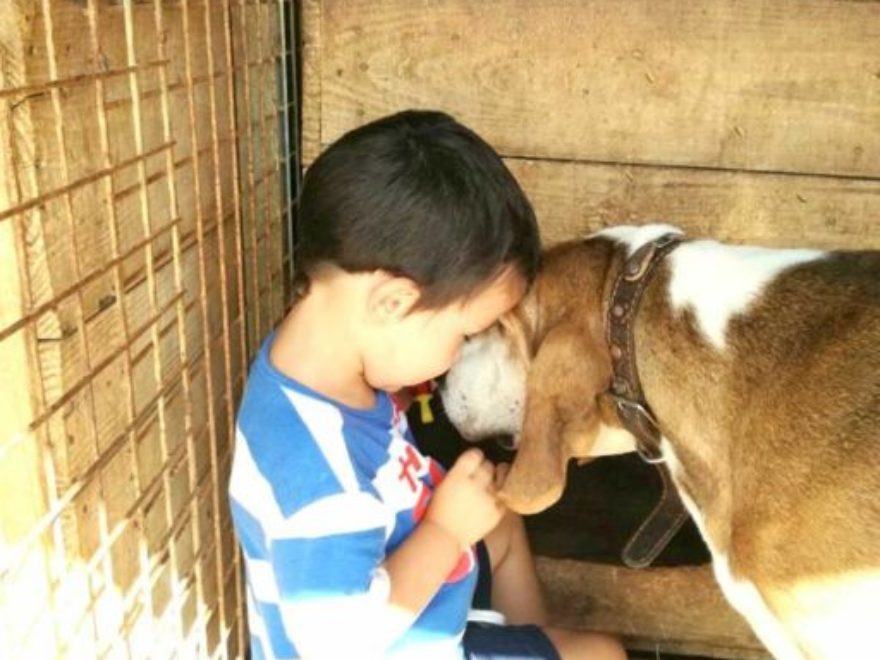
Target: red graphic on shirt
x: 436, y: 472
x: 412, y: 466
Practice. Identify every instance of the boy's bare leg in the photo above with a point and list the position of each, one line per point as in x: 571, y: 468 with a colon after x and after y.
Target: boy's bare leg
x: 580, y: 645
x: 516, y: 593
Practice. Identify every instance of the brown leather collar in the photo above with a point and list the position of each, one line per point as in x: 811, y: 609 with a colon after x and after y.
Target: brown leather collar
x: 632, y: 408
x: 626, y: 388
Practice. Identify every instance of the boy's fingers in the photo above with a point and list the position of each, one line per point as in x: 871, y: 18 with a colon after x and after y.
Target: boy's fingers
x: 469, y: 461
x: 484, y: 474
x: 501, y: 471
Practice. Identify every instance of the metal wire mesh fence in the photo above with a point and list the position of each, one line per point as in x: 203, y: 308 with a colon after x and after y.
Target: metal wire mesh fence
x: 146, y: 170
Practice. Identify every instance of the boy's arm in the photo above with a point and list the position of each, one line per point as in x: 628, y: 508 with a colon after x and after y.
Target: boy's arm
x: 340, y: 577
x: 325, y: 567
x: 420, y: 565
x: 463, y: 509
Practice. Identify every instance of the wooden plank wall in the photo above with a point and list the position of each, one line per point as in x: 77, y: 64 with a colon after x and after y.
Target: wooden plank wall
x: 141, y: 250
x: 755, y: 121
x: 752, y: 121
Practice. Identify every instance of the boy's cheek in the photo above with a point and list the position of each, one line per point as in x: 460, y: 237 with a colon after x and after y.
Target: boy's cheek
x: 456, y: 354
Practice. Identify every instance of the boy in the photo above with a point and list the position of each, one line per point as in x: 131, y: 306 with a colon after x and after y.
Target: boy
x: 412, y: 236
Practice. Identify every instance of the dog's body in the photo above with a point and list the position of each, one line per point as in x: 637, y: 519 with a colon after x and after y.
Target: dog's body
x: 762, y: 368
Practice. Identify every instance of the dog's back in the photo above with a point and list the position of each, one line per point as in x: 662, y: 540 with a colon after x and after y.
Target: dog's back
x: 809, y: 385
x: 792, y: 406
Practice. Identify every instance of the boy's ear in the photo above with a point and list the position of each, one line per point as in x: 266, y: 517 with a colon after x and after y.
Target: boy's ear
x: 392, y: 298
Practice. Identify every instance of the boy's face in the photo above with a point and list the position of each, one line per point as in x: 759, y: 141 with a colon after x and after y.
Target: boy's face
x: 423, y: 344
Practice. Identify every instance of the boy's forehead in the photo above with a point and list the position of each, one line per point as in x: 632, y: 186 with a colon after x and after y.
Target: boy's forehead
x: 503, y: 293
x: 510, y: 286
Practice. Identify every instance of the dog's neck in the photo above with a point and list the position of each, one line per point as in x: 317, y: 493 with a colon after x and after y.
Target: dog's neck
x: 621, y: 314
x: 693, y: 450
x: 679, y: 376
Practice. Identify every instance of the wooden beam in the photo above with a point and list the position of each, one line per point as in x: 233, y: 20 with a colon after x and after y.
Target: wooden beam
x: 573, y: 199
x: 667, y: 610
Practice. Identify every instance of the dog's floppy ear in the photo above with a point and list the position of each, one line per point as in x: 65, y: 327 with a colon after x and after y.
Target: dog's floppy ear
x: 561, y: 417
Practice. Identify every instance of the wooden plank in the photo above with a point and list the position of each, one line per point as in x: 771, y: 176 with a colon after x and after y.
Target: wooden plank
x: 574, y: 199
x: 669, y: 610
x: 311, y: 80
x: 25, y: 274
x: 756, y: 84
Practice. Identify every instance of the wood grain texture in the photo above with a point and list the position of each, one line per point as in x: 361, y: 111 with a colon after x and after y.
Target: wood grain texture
x: 24, y: 497
x: 311, y: 53
x: 116, y: 195
x: 574, y: 199
x: 671, y: 610
x: 755, y: 85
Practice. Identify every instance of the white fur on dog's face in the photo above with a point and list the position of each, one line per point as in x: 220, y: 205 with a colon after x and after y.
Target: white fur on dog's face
x: 485, y: 390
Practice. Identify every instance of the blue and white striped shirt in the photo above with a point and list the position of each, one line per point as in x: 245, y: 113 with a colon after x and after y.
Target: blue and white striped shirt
x: 320, y: 494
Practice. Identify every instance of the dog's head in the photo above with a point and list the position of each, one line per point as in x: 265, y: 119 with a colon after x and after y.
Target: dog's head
x: 540, y: 375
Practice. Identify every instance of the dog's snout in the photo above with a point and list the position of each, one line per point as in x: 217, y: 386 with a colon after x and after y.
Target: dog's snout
x: 483, y: 392
x: 507, y: 442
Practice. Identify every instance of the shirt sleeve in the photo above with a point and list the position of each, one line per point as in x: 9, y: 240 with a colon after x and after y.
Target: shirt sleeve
x: 326, y: 567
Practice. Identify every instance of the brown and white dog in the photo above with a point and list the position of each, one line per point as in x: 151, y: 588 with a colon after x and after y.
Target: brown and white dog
x: 762, y: 367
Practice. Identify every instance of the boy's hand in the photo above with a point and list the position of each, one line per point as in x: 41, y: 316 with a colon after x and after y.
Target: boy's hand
x: 464, y: 504
x: 501, y: 471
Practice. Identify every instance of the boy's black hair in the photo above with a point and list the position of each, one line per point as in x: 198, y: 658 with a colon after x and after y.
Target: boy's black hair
x: 419, y: 195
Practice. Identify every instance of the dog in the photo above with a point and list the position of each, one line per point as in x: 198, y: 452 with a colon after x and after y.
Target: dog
x: 759, y: 371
